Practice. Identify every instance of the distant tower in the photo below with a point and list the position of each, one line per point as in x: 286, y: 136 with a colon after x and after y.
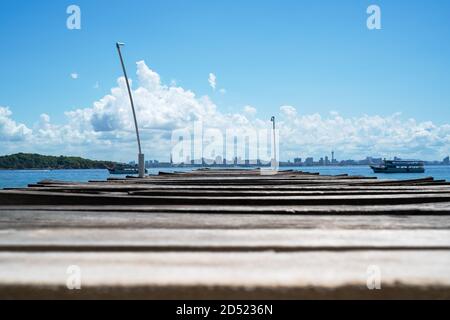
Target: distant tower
x: 332, y: 156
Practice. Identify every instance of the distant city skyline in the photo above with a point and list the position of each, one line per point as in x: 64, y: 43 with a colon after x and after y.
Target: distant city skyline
x: 308, y: 161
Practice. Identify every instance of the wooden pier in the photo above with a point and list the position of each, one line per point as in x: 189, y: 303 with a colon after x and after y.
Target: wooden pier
x: 228, y: 234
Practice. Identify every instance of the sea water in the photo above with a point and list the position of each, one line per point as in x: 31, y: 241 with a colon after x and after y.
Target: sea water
x: 22, y: 178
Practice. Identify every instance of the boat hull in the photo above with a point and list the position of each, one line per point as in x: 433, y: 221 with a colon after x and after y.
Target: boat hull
x: 397, y: 170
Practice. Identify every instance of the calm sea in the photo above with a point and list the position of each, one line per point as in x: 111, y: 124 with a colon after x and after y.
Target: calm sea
x: 21, y: 178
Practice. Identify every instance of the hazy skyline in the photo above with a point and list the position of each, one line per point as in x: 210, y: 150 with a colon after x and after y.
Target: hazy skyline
x: 332, y: 83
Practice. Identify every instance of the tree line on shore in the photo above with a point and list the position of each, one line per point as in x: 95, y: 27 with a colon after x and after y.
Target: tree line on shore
x: 36, y: 161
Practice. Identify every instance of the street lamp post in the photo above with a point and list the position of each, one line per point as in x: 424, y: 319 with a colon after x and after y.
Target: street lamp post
x: 141, y: 156
x: 274, y: 142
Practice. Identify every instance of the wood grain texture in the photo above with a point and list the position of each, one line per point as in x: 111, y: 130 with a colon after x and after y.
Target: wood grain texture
x: 222, y: 275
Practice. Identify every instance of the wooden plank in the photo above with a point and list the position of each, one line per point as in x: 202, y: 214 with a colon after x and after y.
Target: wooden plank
x: 37, y: 218
x: 258, y: 178
x: 228, y: 193
x: 137, y: 187
x: 12, y: 197
x: 396, y: 210
x: 263, y: 182
x: 404, y: 274
x: 285, y: 240
x: 263, y: 193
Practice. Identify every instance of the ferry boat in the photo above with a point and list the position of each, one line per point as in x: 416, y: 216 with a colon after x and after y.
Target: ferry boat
x: 400, y: 166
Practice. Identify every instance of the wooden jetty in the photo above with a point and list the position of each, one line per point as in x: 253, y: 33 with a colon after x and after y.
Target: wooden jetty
x: 227, y: 234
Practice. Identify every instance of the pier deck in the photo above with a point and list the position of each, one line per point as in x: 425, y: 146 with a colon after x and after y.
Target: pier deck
x: 227, y: 234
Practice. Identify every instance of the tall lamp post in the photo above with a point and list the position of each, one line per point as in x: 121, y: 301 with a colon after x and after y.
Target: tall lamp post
x: 141, y: 155
x: 274, y: 142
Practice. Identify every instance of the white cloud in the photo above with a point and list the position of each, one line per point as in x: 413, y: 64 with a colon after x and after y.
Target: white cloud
x: 106, y: 129
x: 222, y: 91
x: 288, y: 111
x: 249, y: 110
x: 212, y: 80
x: 366, y: 135
x: 74, y: 76
x: 10, y: 131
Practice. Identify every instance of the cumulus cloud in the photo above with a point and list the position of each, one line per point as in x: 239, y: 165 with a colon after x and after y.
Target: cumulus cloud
x: 105, y: 130
x: 212, y: 80
x: 249, y: 110
x: 10, y: 130
x: 366, y: 135
x: 288, y: 111
x: 74, y: 76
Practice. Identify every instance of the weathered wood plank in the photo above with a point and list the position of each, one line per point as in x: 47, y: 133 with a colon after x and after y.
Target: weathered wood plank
x: 38, y: 218
x: 263, y: 193
x: 137, y: 187
x: 404, y: 274
x: 396, y: 210
x: 229, y: 193
x: 147, y: 240
x: 242, y: 193
x: 12, y: 197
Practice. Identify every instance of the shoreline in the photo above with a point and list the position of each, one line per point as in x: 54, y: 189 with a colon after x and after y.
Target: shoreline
x: 219, y: 167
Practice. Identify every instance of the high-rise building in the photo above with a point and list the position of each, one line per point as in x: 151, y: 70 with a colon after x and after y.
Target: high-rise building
x: 309, y: 161
x: 446, y: 161
x: 333, y: 159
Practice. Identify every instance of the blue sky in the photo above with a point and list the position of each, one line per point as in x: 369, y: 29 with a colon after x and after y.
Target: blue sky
x: 317, y: 56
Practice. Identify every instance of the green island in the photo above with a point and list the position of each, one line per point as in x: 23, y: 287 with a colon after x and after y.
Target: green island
x: 22, y: 161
